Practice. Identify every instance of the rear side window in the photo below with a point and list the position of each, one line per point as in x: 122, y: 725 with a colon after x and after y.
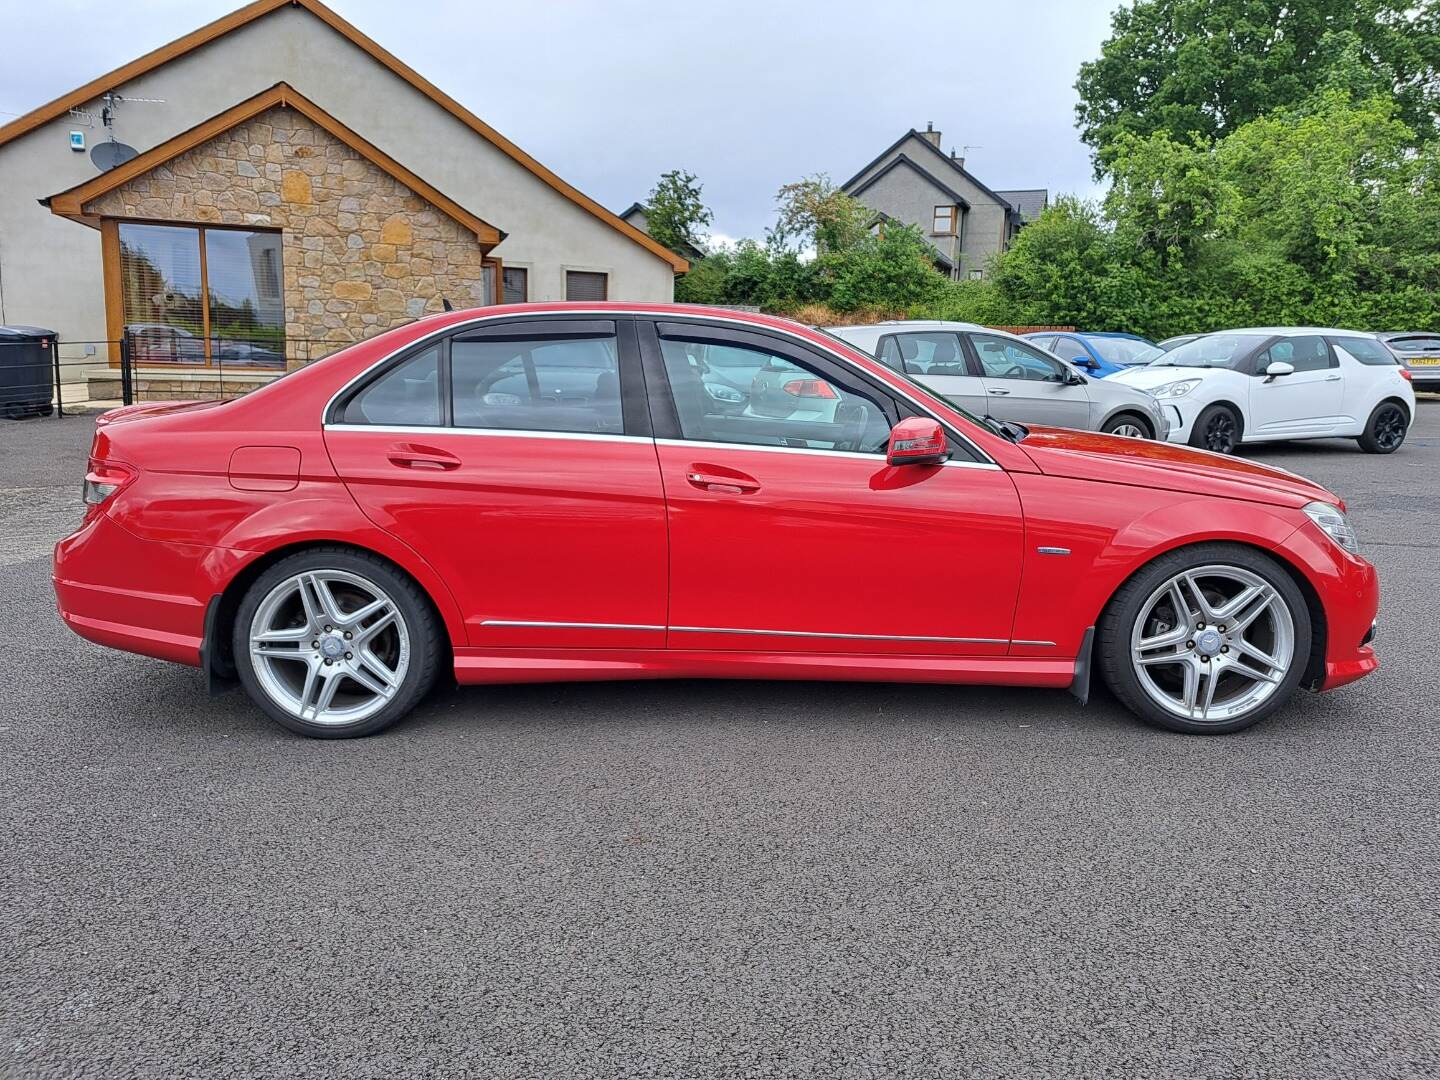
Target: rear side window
x: 1367, y: 351
x: 924, y: 354
x: 570, y: 384
x: 407, y: 395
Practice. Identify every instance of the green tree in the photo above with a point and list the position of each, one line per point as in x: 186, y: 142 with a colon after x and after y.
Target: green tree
x: 675, y: 213
x: 1205, y: 67
x: 813, y: 212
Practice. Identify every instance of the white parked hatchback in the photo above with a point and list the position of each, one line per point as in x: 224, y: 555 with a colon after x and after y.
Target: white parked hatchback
x: 1276, y: 383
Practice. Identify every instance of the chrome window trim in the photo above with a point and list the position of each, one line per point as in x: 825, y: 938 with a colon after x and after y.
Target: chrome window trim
x: 456, y: 327
x: 515, y: 433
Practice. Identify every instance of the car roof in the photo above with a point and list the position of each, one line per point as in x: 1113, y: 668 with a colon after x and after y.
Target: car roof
x: 1292, y: 331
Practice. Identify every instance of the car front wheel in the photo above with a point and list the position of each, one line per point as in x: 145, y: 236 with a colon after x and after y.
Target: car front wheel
x: 1217, y: 428
x: 1206, y: 640
x: 335, y: 644
x: 1131, y: 427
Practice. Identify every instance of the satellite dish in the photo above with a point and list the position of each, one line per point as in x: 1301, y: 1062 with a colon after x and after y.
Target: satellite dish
x: 107, y: 155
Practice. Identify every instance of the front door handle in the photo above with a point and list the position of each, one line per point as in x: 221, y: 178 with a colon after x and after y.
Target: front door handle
x: 997, y: 393
x: 413, y: 456
x: 738, y: 484
x: 1332, y: 378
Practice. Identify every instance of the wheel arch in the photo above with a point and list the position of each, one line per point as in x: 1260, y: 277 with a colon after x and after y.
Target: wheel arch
x: 1392, y: 399
x: 1134, y: 413
x: 218, y: 650
x: 1319, y: 633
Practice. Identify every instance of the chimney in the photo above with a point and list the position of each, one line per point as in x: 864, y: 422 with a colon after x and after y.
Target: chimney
x: 930, y: 135
x: 959, y: 161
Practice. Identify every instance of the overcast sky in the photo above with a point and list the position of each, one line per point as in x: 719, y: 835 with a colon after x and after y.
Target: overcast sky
x: 748, y: 95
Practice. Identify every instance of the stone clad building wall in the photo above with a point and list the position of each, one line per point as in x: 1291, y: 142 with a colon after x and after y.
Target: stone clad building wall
x: 362, y: 253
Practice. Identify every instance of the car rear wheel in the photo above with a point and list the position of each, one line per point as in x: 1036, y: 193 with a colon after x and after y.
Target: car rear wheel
x: 335, y: 644
x: 1217, y: 429
x: 1129, y: 426
x: 1206, y: 640
x: 1385, y: 430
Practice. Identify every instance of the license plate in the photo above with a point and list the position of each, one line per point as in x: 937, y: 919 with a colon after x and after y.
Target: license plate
x: 1423, y: 361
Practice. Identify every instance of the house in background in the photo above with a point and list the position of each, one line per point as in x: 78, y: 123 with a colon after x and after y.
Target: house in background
x: 638, y: 216
x: 916, y: 182
x: 291, y: 187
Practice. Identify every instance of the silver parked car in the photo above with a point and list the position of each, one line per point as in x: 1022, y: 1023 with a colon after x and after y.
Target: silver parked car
x: 992, y: 373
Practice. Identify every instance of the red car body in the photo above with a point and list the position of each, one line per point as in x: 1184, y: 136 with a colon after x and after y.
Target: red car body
x: 566, y: 556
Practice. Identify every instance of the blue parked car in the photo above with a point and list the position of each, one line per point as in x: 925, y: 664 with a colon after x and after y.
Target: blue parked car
x: 1098, y: 354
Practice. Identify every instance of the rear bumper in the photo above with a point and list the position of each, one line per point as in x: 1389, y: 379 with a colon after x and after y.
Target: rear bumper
x: 142, y: 596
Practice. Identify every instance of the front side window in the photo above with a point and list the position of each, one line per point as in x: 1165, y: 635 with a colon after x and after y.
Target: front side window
x: 408, y: 395
x: 738, y: 394
x: 924, y: 354
x: 1001, y: 358
x: 944, y: 221
x: 1302, y: 353
x: 1068, y: 348
x: 541, y: 384
x: 1367, y: 350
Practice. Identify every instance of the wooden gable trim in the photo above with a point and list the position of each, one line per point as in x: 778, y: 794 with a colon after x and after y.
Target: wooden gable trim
x: 72, y: 203
x: 239, y: 18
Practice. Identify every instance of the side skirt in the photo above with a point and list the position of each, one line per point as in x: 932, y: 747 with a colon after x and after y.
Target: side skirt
x: 475, y: 666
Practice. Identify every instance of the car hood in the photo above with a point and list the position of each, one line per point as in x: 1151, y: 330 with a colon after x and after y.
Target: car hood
x: 1086, y: 455
x: 1148, y: 378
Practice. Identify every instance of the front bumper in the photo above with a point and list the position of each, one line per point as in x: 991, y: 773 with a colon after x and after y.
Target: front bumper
x: 142, y: 596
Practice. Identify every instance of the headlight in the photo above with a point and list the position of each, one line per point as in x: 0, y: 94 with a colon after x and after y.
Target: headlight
x: 1333, y: 522
x: 721, y: 392
x: 1175, y: 389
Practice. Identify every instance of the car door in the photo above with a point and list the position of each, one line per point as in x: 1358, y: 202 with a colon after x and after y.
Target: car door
x: 515, y: 457
x: 1308, y: 401
x: 1024, y: 385
x: 789, y: 533
x: 937, y: 359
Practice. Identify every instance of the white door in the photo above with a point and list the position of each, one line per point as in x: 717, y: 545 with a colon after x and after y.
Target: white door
x: 1309, y: 401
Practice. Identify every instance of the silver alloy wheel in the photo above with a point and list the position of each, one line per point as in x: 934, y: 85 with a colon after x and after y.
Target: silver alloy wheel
x: 1212, y: 643
x: 329, y: 647
x: 1129, y: 430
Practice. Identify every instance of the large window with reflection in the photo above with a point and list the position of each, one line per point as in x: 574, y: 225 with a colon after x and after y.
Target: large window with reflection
x: 203, y: 295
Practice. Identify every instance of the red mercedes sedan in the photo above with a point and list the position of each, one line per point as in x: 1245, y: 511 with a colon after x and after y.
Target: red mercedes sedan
x: 564, y: 491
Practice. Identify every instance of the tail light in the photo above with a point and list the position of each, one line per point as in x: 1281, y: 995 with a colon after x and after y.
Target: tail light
x: 813, y: 388
x: 1405, y: 374
x: 103, y: 479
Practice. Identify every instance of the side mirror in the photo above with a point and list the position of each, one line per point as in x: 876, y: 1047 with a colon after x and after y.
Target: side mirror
x: 916, y: 440
x: 1276, y: 368
x: 1074, y: 378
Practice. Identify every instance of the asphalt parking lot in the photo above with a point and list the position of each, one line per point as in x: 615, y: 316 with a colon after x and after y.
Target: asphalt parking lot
x: 717, y: 879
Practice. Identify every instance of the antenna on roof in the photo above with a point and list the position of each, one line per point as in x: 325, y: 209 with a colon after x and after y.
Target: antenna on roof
x: 446, y: 305
x: 111, y: 152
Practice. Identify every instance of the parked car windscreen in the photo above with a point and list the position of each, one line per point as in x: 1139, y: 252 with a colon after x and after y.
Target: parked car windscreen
x: 1210, y: 351
x: 1123, y: 351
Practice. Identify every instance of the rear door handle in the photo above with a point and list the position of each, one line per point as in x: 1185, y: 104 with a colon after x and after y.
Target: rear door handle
x: 997, y: 393
x: 1332, y: 378
x: 722, y: 485
x: 411, y: 456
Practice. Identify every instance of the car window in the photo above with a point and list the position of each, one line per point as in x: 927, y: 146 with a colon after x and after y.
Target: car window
x: 1002, y: 358
x: 1211, y: 351
x: 935, y: 353
x: 1367, y: 351
x: 1302, y: 353
x: 1044, y: 341
x: 1425, y: 344
x: 407, y: 395
x: 541, y: 384
x: 1068, y: 348
x: 783, y: 402
x: 1124, y: 351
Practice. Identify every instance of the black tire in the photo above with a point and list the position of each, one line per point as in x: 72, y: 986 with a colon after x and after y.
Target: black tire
x: 1113, y: 646
x: 423, y: 628
x: 1386, y: 429
x: 1218, y: 428
x: 1116, y: 422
